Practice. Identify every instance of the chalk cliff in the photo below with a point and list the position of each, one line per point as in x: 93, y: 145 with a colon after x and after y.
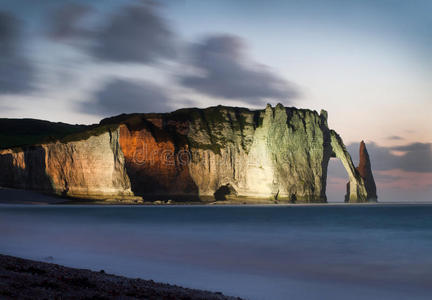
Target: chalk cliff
x: 279, y: 154
x: 93, y: 167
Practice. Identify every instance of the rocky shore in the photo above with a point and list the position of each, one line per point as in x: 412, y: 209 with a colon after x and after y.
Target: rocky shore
x: 27, y: 279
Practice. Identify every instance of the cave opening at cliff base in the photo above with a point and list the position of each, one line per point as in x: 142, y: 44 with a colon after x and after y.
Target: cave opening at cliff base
x: 224, y: 192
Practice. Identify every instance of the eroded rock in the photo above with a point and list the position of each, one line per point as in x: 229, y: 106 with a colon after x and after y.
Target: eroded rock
x: 279, y: 153
x: 365, y: 170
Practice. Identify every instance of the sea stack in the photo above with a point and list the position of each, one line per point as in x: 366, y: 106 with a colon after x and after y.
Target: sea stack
x: 364, y: 170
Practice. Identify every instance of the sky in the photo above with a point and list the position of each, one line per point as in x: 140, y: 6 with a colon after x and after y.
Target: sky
x: 368, y: 63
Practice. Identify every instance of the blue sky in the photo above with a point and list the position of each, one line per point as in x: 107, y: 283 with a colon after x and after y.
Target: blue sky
x: 368, y: 63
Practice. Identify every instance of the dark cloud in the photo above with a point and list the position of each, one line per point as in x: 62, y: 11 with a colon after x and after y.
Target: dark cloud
x: 16, y: 71
x: 135, y: 34
x: 138, y: 34
x: 415, y: 147
x: 416, y: 157
x: 8, y: 34
x: 65, y: 21
x: 227, y: 72
x: 395, y: 138
x: 16, y: 75
x: 123, y: 96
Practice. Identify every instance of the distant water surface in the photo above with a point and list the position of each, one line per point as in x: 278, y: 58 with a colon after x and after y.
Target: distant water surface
x: 256, y: 252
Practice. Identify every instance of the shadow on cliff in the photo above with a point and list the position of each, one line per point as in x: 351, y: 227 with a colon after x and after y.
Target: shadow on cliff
x: 30, y: 175
x: 159, y: 172
x: 224, y: 192
x: 327, y: 154
x: 153, y: 185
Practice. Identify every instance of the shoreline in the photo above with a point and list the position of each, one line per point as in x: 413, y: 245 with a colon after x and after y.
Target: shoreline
x: 31, y: 197
x: 23, y: 196
x: 23, y: 278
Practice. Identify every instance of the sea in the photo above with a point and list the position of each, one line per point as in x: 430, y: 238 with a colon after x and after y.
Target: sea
x: 381, y: 251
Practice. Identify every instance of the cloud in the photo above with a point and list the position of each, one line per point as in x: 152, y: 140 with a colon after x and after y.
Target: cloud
x: 132, y: 34
x: 398, y: 178
x: 135, y: 34
x: 394, y: 174
x: 123, y: 96
x: 228, y: 73
x: 16, y: 75
x: 8, y: 33
x: 138, y: 34
x: 416, y: 157
x: 6, y: 107
x: 16, y: 71
x: 415, y: 147
x: 395, y: 138
x: 65, y: 21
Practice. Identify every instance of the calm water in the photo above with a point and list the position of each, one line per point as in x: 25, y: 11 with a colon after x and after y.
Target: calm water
x: 277, y: 252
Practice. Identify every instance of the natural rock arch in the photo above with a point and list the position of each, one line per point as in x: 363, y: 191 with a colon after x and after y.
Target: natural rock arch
x: 361, y: 185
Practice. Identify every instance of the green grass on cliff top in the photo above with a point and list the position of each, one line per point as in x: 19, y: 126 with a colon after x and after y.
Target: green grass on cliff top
x: 16, y: 133
x: 24, y: 132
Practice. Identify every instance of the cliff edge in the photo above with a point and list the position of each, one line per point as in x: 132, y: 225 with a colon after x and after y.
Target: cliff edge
x: 218, y: 153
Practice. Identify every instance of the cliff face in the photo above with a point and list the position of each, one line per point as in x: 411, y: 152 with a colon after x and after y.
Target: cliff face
x: 215, y: 153
x: 89, y: 168
x: 153, y: 163
x: 277, y: 153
